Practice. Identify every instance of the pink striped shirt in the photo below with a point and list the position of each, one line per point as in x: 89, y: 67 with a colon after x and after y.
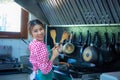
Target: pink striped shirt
x: 39, y: 57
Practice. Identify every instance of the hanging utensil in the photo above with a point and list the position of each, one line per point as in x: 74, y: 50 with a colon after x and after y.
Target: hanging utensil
x: 80, y: 39
x: 111, y: 46
x: 64, y: 36
x: 85, y: 44
x: 117, y: 45
x: 90, y: 53
x: 69, y: 47
x: 97, y: 40
x: 105, y: 49
x: 53, y: 35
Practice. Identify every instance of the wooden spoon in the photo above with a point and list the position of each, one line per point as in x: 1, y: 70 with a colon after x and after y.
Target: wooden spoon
x: 64, y: 36
x: 53, y: 35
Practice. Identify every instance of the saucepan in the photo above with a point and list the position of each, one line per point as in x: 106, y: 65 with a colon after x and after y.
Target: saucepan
x: 69, y: 47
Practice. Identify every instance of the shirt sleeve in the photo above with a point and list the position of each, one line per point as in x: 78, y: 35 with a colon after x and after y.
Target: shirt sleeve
x: 39, y: 58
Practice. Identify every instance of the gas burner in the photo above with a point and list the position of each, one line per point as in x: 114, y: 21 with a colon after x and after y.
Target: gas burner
x: 74, y: 72
x: 8, y: 60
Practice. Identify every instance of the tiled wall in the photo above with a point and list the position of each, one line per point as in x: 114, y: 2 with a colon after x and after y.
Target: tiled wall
x: 101, y: 30
x: 77, y: 29
x: 19, y: 48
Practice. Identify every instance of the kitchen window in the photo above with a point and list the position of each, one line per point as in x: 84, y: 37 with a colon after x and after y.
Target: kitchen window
x: 13, y: 20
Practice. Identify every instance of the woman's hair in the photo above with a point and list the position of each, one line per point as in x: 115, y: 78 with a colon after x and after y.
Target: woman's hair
x: 32, y: 23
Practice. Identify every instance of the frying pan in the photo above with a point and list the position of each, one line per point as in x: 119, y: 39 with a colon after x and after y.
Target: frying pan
x: 62, y: 63
x: 105, y: 48
x: 61, y: 66
x: 84, y: 44
x: 111, y: 46
x: 80, y: 38
x: 90, y: 53
x: 117, y: 45
x: 68, y: 47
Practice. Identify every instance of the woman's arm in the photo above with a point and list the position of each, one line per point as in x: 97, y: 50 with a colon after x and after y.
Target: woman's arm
x: 39, y: 58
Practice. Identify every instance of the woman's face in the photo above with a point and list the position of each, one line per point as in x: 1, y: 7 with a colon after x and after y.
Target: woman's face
x: 38, y: 32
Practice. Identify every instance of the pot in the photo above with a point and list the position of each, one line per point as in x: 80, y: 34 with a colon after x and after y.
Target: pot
x: 68, y: 47
x: 90, y: 54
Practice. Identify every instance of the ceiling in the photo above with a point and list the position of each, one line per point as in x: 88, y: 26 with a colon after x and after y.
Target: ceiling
x: 74, y: 12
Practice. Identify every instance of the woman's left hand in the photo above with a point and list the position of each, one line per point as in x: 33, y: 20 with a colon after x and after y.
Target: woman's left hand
x: 58, y: 47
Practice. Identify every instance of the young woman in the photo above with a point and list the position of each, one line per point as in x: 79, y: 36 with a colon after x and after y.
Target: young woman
x: 39, y: 55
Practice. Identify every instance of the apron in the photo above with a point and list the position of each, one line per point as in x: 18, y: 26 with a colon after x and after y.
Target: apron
x: 40, y: 76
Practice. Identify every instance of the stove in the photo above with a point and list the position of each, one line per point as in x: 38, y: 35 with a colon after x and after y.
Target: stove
x: 9, y: 63
x: 74, y: 72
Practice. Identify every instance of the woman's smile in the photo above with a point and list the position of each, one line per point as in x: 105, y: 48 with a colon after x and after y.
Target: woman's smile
x: 38, y: 32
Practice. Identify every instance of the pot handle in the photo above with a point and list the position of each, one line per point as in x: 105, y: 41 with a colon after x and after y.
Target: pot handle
x: 65, y: 63
x: 71, y: 36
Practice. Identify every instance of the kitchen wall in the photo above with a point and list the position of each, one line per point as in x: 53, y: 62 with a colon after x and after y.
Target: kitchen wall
x: 92, y: 29
x: 19, y: 47
x: 101, y: 30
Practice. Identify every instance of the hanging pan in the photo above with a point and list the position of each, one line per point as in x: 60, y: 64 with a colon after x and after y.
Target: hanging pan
x: 90, y: 53
x: 68, y: 47
x: 117, y: 45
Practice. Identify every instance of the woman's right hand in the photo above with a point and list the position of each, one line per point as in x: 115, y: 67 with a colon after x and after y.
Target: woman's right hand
x: 55, y: 53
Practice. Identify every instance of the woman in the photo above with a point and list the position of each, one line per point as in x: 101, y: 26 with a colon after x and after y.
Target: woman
x: 39, y: 55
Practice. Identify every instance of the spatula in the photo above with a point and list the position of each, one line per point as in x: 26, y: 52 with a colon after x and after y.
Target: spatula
x: 64, y: 36
x: 53, y: 35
